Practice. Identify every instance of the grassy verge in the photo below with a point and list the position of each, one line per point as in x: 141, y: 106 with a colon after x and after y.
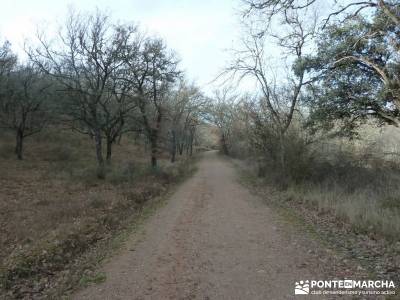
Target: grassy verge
x: 86, y: 273
x: 378, y: 254
x: 58, y: 221
x: 58, y: 264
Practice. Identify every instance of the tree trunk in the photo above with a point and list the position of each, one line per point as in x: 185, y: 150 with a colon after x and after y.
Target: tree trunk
x: 191, y: 140
x: 284, y: 180
x: 191, y: 147
x: 153, y: 147
x: 154, y: 140
x: 154, y: 161
x: 120, y: 139
x: 99, y: 154
x: 19, y: 144
x: 181, y: 148
x: 224, y: 145
x: 282, y: 153
x: 109, y: 151
x: 173, y: 147
x: 153, y: 153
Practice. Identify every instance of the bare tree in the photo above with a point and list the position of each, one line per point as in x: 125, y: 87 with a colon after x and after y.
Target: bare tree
x: 23, y: 103
x: 151, y: 70
x: 86, y: 60
x: 270, y: 8
x: 184, y: 113
x: 222, y: 114
x: 279, y: 95
x: 7, y: 59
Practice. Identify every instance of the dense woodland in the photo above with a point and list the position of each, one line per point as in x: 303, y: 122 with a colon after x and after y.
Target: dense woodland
x: 102, y: 80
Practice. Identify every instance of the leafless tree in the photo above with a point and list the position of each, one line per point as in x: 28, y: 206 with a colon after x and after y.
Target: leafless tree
x: 271, y: 8
x: 185, y: 108
x: 86, y: 59
x: 279, y: 95
x: 24, y: 101
x: 151, y: 70
x: 222, y: 114
x: 8, y: 60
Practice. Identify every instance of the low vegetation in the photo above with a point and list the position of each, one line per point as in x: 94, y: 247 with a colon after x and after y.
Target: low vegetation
x: 54, y: 209
x: 96, y: 121
x: 321, y: 131
x: 359, y: 186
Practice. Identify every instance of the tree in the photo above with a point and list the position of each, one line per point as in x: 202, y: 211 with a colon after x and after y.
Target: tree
x: 342, y: 92
x: 222, y: 115
x: 7, y: 59
x: 184, y: 111
x: 86, y: 60
x: 24, y: 97
x: 151, y: 70
x: 279, y: 96
x: 357, y: 62
x: 271, y: 8
x: 359, y: 69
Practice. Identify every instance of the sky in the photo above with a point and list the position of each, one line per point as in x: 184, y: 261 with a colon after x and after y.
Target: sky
x: 200, y: 31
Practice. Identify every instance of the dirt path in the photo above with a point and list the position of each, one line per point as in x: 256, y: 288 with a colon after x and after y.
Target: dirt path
x: 213, y: 240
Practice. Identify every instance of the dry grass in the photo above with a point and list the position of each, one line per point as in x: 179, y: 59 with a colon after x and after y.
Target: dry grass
x: 53, y: 207
x: 368, y: 211
x: 361, y: 222
x: 356, y: 181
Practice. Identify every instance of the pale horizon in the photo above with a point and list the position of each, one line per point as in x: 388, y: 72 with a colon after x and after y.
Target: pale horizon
x: 199, y: 32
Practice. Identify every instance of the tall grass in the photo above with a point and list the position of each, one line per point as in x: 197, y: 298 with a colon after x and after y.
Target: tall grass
x: 57, y: 208
x: 354, y: 181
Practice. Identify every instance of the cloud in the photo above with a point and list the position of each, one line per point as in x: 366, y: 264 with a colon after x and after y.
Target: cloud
x: 199, y: 31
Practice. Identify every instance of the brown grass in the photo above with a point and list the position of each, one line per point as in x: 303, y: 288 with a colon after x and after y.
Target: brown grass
x: 53, y: 208
x: 352, y: 180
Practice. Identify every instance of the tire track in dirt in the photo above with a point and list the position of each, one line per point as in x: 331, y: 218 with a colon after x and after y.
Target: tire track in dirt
x: 213, y: 240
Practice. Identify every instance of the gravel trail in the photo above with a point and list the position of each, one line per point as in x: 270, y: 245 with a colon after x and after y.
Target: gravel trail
x: 214, y: 239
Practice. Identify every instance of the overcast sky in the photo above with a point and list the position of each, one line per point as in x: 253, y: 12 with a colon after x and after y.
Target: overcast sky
x: 199, y: 31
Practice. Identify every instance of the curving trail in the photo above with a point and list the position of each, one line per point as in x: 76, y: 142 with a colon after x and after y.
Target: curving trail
x: 212, y: 240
